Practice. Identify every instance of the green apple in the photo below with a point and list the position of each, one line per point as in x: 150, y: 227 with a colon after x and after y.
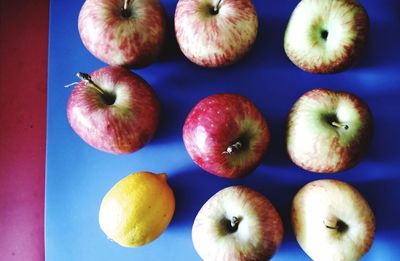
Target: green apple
x: 332, y: 221
x: 326, y: 36
x: 328, y: 131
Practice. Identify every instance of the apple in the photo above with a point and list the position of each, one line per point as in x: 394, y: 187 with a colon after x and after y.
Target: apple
x: 332, y: 221
x: 326, y: 36
x: 214, y: 33
x: 237, y: 223
x: 113, y: 110
x: 226, y: 135
x: 123, y: 32
x: 328, y: 131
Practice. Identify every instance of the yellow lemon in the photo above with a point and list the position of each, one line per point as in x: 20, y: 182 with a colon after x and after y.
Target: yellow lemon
x: 137, y: 209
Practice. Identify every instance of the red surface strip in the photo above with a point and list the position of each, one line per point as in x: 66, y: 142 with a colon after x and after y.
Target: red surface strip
x: 23, y: 84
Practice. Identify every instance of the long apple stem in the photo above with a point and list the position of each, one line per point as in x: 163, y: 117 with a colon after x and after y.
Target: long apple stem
x: 232, y: 148
x: 340, y: 125
x: 86, y: 78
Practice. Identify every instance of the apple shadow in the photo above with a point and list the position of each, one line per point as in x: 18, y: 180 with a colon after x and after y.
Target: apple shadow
x: 171, y: 122
x: 381, y: 37
x: 268, y: 48
x: 384, y: 146
x: 381, y: 196
x: 170, y: 50
x: 192, y: 189
x: 276, y: 153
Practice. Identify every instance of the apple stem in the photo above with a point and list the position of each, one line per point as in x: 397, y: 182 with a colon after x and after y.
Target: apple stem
x: 216, y: 8
x: 88, y: 79
x: 126, y: 3
x: 234, y: 147
x: 69, y: 85
x: 340, y: 125
x: 336, y: 224
x: 234, y: 222
x: 331, y: 224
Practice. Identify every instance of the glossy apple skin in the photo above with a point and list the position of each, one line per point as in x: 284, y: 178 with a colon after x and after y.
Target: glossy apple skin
x: 347, y: 25
x: 123, y: 127
x: 217, y: 122
x: 314, y: 144
x: 133, y: 41
x: 321, y: 204
x: 214, y: 40
x: 259, y: 231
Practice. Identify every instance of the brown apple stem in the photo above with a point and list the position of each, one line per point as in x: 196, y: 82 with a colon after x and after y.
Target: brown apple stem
x: 340, y: 125
x: 335, y: 224
x: 330, y: 223
x: 234, y: 221
x: 232, y: 148
x: 86, y: 78
x: 216, y: 8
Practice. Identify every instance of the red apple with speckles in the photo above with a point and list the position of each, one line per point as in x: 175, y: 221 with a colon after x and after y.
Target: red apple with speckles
x: 226, y: 135
x: 123, y: 32
x: 326, y: 36
x: 113, y: 110
x: 328, y: 131
x: 215, y: 33
x: 237, y: 224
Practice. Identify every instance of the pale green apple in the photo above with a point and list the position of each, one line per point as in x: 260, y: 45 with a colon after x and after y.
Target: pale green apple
x: 237, y: 223
x: 328, y: 131
x: 332, y: 221
x: 326, y: 36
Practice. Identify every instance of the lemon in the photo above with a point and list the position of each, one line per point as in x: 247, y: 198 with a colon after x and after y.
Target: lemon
x: 137, y: 209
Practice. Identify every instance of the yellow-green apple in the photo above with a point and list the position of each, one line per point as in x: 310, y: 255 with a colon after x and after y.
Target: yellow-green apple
x: 237, y: 224
x: 332, y: 221
x: 328, y: 131
x: 226, y: 135
x: 326, y: 36
x: 215, y: 33
x: 113, y: 110
x: 123, y: 32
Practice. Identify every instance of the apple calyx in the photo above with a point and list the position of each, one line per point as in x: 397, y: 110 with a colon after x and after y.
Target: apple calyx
x: 335, y: 224
x: 324, y: 34
x: 108, y: 98
x: 232, y: 148
x: 340, y: 125
x: 215, y: 9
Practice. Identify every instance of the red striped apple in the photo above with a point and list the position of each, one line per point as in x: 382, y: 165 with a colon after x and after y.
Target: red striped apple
x: 332, y: 221
x: 226, y: 135
x: 326, y: 36
x: 237, y: 224
x: 113, y: 110
x: 123, y: 32
x: 215, y: 33
x: 328, y: 131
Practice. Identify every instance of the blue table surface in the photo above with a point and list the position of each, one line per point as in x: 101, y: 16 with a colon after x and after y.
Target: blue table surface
x: 78, y: 176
